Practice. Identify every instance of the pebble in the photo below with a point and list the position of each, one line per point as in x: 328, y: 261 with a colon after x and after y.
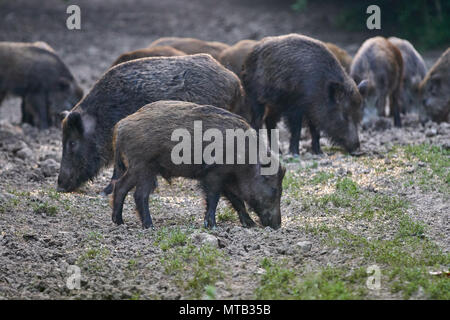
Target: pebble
x: 204, y: 238
x: 305, y: 246
x: 431, y: 132
x: 49, y: 167
x: 25, y: 153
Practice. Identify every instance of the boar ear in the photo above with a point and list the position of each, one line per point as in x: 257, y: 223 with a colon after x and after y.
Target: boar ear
x: 336, y: 92
x: 363, y: 87
x: 74, y: 122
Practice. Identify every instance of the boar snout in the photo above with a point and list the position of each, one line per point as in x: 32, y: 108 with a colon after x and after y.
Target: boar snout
x: 271, y: 218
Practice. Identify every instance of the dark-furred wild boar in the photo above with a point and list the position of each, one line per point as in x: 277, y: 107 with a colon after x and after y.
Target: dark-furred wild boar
x: 121, y: 91
x: 33, y: 72
x: 191, y: 45
x: 435, y: 90
x: 343, y: 57
x: 414, y: 70
x: 161, y: 51
x: 140, y: 157
x: 381, y: 63
x: 298, y: 78
x: 233, y: 57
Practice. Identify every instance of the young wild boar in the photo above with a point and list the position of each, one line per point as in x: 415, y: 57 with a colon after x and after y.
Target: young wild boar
x: 233, y: 57
x: 343, y: 57
x: 414, y: 70
x: 37, y: 75
x: 121, y: 91
x: 191, y: 45
x: 140, y: 157
x: 381, y: 63
x: 298, y: 78
x: 435, y: 90
x: 160, y: 51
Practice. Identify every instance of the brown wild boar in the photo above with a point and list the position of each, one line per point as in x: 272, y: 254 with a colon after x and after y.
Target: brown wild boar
x: 121, y: 91
x: 161, y: 51
x: 233, y: 57
x: 435, y: 90
x: 191, y: 45
x: 37, y: 75
x: 140, y: 157
x: 381, y: 63
x: 414, y: 70
x: 299, y: 79
x: 343, y: 57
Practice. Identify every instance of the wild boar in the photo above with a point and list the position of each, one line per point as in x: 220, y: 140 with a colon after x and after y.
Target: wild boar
x: 140, y: 157
x: 191, y: 45
x: 37, y: 75
x: 233, y: 57
x: 299, y: 79
x: 343, y: 57
x: 414, y: 70
x: 435, y: 90
x: 121, y: 91
x: 381, y: 63
x: 161, y: 51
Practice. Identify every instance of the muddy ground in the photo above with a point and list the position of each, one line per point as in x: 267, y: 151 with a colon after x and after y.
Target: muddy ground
x: 386, y: 208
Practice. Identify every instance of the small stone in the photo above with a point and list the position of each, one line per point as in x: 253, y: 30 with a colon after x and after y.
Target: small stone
x: 49, y: 167
x: 431, y: 132
x: 205, y: 239
x: 25, y: 153
x: 305, y: 246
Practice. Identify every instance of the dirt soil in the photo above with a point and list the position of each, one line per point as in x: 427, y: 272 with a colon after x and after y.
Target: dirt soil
x: 404, y: 172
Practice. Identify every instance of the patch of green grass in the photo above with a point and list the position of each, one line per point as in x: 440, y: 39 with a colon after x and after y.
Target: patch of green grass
x: 194, y: 269
x: 437, y: 171
x: 321, y: 177
x: 279, y: 282
x: 93, y: 258
x: 168, y: 238
x: 405, y: 259
x: 45, y: 207
x: 226, y: 214
x: 9, y: 205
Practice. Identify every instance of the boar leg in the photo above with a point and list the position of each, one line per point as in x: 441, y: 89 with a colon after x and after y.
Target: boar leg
x: 109, y: 188
x: 294, y: 122
x: 381, y: 105
x: 2, y: 96
x: 271, y: 123
x: 315, y: 139
x: 141, y: 195
x: 37, y: 103
x: 395, y: 107
x: 239, y: 206
x: 121, y: 188
x: 258, y: 110
x: 212, y: 199
x: 26, y: 116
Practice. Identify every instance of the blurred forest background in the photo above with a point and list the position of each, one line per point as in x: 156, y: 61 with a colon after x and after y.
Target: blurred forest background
x: 424, y: 22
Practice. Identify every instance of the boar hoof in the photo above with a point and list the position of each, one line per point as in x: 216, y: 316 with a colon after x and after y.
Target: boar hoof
x: 248, y: 223
x: 117, y: 220
x: 210, y: 225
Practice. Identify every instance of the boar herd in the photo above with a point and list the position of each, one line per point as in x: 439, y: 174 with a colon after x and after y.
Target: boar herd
x: 128, y: 116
